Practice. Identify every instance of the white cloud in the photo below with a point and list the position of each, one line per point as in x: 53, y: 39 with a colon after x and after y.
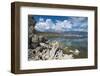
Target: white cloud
x: 42, y: 25
x: 79, y: 21
x: 61, y: 26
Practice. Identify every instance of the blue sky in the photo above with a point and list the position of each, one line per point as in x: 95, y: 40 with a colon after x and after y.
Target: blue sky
x: 60, y: 23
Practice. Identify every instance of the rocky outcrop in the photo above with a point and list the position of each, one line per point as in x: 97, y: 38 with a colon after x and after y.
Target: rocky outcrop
x: 43, y: 49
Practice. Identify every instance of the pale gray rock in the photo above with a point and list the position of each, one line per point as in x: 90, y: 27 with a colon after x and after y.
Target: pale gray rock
x: 40, y: 50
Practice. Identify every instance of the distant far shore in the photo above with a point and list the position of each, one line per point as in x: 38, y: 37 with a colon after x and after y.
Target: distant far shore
x: 64, y: 35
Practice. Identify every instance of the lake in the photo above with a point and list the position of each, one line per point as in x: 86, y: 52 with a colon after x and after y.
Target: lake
x: 76, y: 43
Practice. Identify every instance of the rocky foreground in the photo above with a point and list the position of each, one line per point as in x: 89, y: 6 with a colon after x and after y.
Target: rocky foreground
x: 40, y: 48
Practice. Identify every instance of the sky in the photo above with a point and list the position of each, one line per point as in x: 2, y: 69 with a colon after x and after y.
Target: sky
x: 60, y: 23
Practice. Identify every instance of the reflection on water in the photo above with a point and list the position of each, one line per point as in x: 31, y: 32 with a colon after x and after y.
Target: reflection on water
x: 78, y: 43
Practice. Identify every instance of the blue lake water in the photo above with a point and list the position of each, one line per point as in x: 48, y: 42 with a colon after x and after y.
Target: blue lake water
x: 77, y: 43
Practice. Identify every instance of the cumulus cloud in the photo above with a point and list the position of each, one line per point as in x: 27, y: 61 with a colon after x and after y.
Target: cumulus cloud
x: 62, y: 26
x: 79, y: 23
x: 74, y: 23
x: 42, y: 25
